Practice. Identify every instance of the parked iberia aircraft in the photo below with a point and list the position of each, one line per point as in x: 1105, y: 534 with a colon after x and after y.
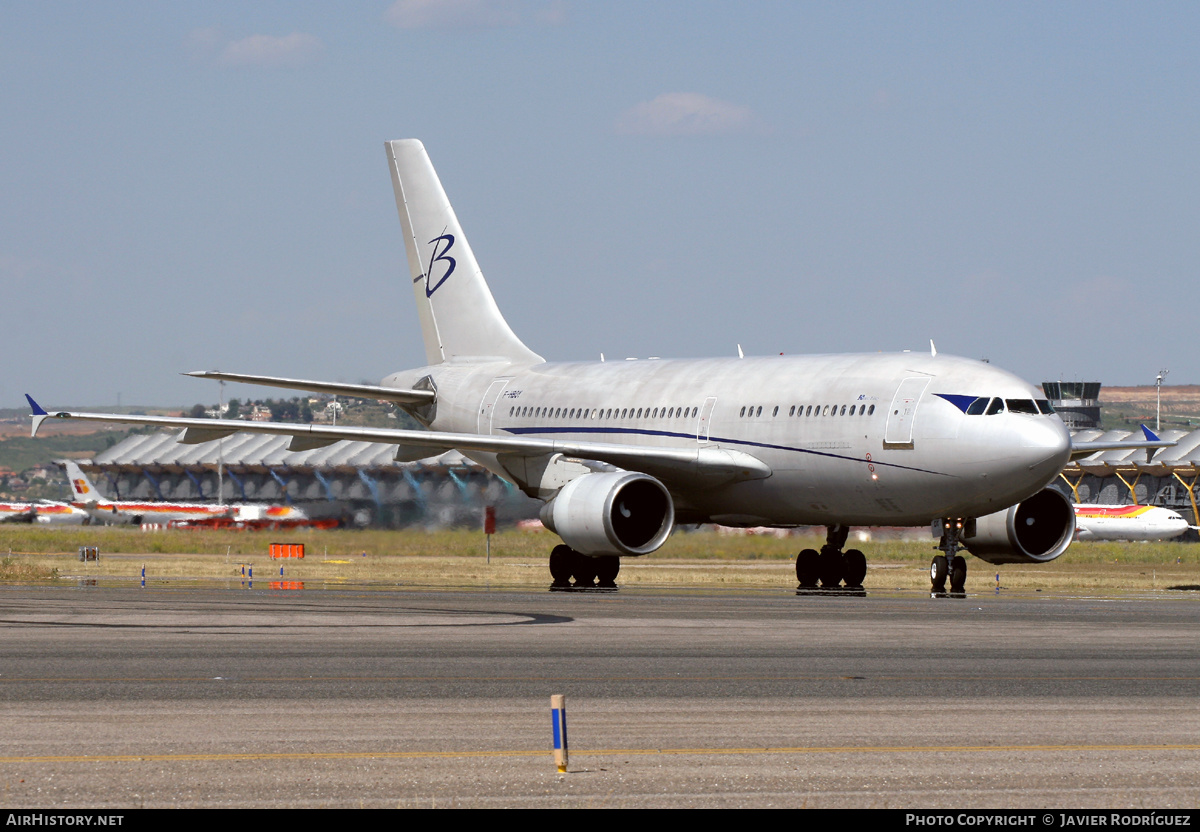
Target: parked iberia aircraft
x: 120, y: 512
x: 45, y: 512
x: 1096, y: 522
x: 623, y: 451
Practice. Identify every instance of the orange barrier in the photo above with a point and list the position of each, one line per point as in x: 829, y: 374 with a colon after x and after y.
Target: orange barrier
x: 287, y: 550
x: 287, y: 584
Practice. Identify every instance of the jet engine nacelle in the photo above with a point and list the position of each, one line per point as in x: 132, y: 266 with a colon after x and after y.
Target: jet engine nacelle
x: 611, y: 513
x: 1036, y: 530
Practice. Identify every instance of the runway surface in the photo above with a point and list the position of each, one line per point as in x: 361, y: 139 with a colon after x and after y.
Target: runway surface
x: 123, y: 697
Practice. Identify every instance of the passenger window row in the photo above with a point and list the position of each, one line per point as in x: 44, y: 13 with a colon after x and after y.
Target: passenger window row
x: 753, y: 411
x: 535, y: 412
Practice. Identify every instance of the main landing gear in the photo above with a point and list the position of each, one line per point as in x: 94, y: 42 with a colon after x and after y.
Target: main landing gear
x: 571, y: 570
x: 950, y: 564
x: 831, y: 566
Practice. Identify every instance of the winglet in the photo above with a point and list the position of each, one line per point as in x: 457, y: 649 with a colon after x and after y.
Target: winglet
x: 1150, y: 437
x: 39, y: 415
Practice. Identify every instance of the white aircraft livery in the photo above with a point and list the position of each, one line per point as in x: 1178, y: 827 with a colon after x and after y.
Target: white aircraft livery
x: 621, y: 452
x: 1097, y: 522
x: 45, y: 512
x: 120, y: 512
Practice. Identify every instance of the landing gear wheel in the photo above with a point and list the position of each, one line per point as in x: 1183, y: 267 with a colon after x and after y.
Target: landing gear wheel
x: 833, y: 569
x: 856, y: 568
x: 561, y: 563
x: 937, y: 573
x: 808, y: 568
x: 584, y: 571
x: 607, y: 567
x: 958, y: 575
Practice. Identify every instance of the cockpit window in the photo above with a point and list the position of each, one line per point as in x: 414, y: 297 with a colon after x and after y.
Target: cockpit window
x: 997, y: 406
x: 1021, y: 406
x: 1044, y: 406
x: 978, y: 406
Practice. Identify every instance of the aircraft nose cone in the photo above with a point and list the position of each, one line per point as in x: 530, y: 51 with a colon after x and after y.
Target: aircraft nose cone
x: 1045, y: 445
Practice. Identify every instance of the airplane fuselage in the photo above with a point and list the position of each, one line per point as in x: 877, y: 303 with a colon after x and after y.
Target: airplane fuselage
x: 861, y: 439
x: 47, y: 513
x: 1097, y: 522
x: 137, y: 511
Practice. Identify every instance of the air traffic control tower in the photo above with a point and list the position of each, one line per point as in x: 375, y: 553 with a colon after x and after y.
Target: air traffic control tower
x: 1077, y: 402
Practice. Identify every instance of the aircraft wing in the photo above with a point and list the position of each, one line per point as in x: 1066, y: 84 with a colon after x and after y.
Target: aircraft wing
x: 359, y: 391
x: 713, y: 465
x: 1151, y: 443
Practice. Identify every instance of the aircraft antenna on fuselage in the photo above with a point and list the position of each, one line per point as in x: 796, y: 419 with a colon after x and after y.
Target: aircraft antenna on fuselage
x: 459, y: 316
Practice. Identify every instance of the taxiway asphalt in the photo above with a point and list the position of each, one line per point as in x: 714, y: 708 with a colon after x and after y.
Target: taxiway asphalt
x: 191, y: 696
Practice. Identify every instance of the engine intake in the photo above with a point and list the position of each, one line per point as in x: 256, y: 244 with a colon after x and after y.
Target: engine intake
x: 1036, y: 530
x: 612, y: 513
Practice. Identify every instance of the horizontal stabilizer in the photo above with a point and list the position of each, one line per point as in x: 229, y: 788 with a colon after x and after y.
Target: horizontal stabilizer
x: 358, y: 391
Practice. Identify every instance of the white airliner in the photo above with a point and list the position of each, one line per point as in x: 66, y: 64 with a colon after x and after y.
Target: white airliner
x: 122, y: 512
x: 44, y: 512
x: 622, y: 451
x: 1096, y: 522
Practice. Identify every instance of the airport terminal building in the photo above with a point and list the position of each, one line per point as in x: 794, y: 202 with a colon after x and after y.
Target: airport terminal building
x: 358, y: 483
x: 1169, y: 478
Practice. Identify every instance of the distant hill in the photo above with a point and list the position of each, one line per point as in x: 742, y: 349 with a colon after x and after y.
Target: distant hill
x: 1127, y: 407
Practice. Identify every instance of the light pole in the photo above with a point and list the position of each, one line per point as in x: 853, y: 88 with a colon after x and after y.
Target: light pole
x: 221, y: 447
x: 1158, y: 401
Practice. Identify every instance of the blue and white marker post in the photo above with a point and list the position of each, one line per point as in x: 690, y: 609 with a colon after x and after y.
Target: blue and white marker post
x: 558, y: 716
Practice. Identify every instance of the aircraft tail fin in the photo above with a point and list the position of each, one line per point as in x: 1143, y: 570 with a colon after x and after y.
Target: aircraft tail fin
x: 81, y: 485
x: 459, y: 316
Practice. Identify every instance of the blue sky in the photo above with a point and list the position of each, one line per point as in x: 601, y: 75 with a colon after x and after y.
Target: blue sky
x: 200, y: 186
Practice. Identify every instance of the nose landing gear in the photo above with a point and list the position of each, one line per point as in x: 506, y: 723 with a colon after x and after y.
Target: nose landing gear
x: 950, y: 564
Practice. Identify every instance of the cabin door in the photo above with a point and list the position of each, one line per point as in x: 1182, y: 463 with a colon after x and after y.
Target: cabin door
x: 487, y: 407
x: 705, y: 420
x: 898, y: 432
